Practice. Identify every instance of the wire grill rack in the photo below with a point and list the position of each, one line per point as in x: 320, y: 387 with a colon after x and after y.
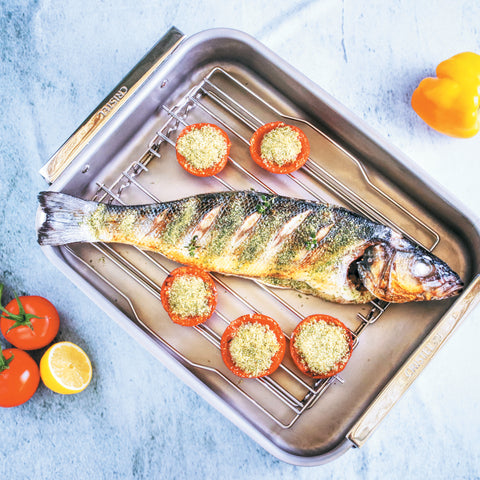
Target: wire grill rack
x: 212, y: 99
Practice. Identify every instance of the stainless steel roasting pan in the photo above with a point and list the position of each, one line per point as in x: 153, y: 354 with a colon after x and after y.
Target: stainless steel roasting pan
x: 124, y: 153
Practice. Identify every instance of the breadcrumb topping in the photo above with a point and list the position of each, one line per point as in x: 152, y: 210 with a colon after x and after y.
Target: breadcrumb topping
x: 280, y: 145
x: 202, y: 147
x: 321, y: 345
x: 253, y: 347
x: 188, y: 296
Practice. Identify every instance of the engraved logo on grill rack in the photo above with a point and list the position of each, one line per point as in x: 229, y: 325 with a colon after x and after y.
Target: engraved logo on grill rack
x: 107, y: 108
x: 423, y: 356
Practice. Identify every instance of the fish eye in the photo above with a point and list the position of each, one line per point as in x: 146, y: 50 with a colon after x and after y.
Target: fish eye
x: 422, y: 268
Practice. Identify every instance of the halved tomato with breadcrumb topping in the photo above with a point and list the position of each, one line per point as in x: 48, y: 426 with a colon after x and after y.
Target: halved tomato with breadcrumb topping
x: 253, y: 346
x: 202, y: 149
x: 189, y: 296
x: 321, y: 346
x: 279, y: 148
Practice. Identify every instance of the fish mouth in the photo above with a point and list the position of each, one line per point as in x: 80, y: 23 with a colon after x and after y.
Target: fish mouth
x: 453, y: 288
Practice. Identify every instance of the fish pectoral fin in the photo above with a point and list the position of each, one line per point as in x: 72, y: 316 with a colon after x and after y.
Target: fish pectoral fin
x: 365, y: 279
x: 373, y: 270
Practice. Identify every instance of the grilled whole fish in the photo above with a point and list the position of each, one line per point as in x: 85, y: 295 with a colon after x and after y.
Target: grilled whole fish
x: 314, y: 248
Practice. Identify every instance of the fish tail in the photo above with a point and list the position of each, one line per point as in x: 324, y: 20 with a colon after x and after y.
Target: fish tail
x: 64, y: 219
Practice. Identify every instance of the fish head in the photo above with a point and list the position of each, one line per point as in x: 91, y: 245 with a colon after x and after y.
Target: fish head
x: 406, y: 273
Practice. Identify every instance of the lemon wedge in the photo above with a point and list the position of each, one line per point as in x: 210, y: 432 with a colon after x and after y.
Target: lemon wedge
x: 65, y: 368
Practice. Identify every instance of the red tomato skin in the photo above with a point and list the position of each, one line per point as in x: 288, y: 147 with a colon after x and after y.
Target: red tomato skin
x: 20, y: 380
x: 44, y: 329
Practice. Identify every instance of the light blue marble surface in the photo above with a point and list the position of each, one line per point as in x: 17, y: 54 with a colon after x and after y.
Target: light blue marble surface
x: 136, y: 420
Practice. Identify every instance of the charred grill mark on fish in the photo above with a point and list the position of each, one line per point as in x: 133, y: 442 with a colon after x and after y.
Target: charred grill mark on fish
x: 206, y: 223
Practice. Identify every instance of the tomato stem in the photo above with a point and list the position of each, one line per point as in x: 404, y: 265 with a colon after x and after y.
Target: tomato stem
x: 4, y: 362
x: 22, y: 318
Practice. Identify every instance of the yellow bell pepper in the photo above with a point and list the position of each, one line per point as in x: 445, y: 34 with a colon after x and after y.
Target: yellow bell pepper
x: 449, y: 103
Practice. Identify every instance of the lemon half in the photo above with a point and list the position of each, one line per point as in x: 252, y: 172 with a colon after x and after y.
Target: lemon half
x: 65, y: 368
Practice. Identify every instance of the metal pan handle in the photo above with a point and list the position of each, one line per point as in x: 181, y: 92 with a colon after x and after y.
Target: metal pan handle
x: 111, y: 104
x: 415, y: 364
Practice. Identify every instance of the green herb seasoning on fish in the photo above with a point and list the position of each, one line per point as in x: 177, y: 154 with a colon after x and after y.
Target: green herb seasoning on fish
x: 318, y: 249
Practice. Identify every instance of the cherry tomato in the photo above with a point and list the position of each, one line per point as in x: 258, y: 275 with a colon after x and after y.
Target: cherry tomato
x: 191, y: 320
x: 214, y: 169
x: 256, y: 145
x: 232, y: 330
x: 19, y: 377
x: 29, y: 322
